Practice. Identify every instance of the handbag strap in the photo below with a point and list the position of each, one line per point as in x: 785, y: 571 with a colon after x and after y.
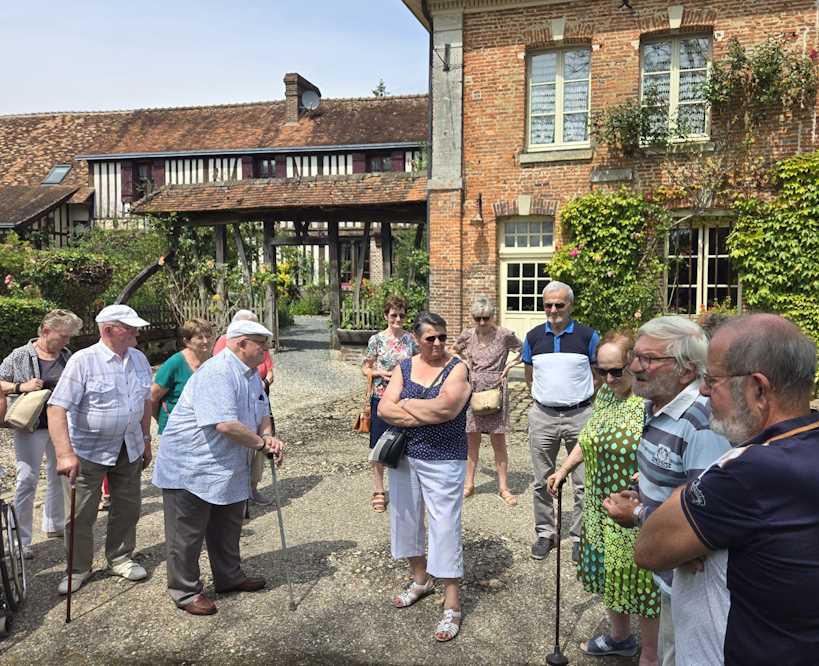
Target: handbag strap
x: 434, y: 381
x: 369, y: 386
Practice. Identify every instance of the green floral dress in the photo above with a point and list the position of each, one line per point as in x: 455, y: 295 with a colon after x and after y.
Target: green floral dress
x: 609, y: 443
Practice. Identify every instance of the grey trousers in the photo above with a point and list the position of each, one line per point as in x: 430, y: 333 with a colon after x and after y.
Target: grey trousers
x: 126, y: 501
x: 666, y: 651
x: 188, y: 521
x: 547, y: 428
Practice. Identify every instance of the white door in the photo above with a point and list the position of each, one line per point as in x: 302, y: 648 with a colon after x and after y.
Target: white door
x: 525, y: 247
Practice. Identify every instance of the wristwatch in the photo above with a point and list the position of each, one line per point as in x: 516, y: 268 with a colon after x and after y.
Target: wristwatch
x: 637, y: 512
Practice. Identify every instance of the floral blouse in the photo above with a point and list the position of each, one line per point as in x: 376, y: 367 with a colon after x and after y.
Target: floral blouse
x: 386, y: 352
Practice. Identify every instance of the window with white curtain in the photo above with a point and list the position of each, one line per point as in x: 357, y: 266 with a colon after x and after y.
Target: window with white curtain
x: 559, y: 98
x: 673, y: 72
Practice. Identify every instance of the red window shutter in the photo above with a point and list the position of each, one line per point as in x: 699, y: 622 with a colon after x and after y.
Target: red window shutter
x: 397, y: 160
x: 359, y: 163
x: 281, y: 166
x: 158, y: 172
x: 127, y: 184
x: 247, y: 167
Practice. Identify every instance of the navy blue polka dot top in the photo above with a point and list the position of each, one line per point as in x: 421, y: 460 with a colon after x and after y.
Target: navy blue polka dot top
x: 443, y: 441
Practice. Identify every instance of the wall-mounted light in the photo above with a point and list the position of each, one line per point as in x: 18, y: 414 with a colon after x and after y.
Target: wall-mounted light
x: 477, y: 219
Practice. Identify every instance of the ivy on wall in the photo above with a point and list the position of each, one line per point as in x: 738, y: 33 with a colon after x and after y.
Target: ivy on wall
x: 775, y: 245
x: 612, y: 258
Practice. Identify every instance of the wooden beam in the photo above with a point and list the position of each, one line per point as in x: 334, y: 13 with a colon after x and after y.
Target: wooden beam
x: 335, y: 287
x: 220, y: 241
x: 269, y: 252
x: 359, y: 269
x: 241, y: 254
x: 386, y: 249
x: 284, y: 241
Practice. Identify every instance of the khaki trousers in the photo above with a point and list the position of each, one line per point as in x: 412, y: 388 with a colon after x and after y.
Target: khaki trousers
x: 124, y: 482
x: 548, y: 427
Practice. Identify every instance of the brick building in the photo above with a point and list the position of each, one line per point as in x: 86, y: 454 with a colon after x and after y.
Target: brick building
x: 513, y: 86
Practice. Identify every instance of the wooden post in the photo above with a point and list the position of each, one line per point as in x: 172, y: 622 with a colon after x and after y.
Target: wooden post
x: 271, y: 320
x: 386, y: 249
x: 419, y: 237
x: 333, y: 280
x: 241, y: 254
x: 220, y: 241
x: 359, y: 270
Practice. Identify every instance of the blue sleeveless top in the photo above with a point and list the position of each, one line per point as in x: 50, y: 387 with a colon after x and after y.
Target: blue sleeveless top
x: 443, y: 441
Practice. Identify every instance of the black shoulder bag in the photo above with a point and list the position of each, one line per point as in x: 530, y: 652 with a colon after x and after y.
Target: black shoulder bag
x: 389, y: 449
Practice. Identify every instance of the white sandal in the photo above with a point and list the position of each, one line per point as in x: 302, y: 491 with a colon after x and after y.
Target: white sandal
x: 413, y: 593
x: 449, y: 626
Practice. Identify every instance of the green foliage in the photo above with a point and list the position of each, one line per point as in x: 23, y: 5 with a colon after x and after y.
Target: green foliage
x: 775, y: 245
x: 72, y: 278
x: 612, y: 258
x: 751, y: 85
x: 311, y: 301
x: 634, y: 125
x: 19, y: 320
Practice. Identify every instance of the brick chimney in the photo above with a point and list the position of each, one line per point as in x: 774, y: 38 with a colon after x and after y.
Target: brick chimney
x: 294, y: 86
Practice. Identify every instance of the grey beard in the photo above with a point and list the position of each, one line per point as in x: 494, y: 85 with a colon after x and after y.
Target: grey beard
x: 733, y: 429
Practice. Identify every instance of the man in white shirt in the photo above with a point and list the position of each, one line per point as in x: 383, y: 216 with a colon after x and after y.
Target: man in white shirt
x: 99, y: 419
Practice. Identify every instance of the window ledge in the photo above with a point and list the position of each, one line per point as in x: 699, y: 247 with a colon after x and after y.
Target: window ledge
x: 692, y: 146
x: 564, y: 155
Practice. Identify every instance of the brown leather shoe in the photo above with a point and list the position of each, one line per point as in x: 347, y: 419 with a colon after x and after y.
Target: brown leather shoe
x: 249, y: 584
x: 200, y: 605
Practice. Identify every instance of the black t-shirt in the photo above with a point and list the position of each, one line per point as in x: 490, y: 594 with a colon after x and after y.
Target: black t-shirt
x: 761, y: 504
x: 50, y: 372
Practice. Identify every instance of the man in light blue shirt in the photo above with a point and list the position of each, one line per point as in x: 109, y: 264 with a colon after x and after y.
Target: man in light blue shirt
x: 203, y: 467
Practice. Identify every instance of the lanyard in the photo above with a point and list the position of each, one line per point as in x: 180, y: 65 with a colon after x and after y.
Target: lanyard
x: 791, y: 433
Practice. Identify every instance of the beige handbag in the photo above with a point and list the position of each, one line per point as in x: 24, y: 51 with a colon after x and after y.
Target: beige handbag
x: 484, y: 403
x: 24, y: 412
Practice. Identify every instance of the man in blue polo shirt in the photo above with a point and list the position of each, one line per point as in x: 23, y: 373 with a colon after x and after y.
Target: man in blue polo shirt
x: 752, y: 515
x: 558, y: 359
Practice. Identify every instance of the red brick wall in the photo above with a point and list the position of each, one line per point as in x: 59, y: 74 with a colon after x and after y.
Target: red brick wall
x: 464, y: 256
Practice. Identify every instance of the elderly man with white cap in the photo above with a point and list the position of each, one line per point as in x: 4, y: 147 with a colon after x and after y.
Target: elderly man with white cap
x: 203, y: 467
x: 99, y: 418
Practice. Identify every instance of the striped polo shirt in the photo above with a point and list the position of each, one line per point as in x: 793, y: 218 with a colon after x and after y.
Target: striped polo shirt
x: 561, y: 364
x: 677, y: 445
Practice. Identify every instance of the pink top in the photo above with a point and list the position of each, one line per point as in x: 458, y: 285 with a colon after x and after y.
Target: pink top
x: 264, y: 367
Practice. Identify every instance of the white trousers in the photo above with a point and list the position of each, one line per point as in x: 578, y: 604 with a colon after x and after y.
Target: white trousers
x: 29, y: 448
x: 434, y: 487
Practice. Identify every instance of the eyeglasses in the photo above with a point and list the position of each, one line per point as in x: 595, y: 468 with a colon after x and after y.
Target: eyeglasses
x: 481, y: 318
x: 397, y: 315
x: 614, y: 372
x: 646, y: 361
x: 710, y: 381
x: 556, y: 306
x: 432, y: 338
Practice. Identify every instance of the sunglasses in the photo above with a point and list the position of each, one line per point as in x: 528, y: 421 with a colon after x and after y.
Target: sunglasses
x: 432, y: 338
x: 614, y: 372
x: 397, y: 315
x: 481, y: 318
x: 556, y: 306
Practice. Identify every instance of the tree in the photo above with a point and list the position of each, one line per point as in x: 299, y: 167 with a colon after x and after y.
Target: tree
x: 381, y: 89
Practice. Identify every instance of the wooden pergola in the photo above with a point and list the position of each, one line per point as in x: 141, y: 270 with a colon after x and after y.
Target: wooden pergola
x: 314, y: 208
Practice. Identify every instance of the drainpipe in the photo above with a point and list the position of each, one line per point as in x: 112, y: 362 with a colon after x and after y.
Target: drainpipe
x: 428, y: 16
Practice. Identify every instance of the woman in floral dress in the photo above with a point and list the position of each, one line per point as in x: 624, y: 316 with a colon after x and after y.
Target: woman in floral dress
x: 486, y: 348
x: 385, y: 350
x: 608, y: 446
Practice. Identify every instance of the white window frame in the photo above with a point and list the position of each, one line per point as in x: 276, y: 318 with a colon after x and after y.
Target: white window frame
x: 558, y: 144
x: 530, y: 254
x: 674, y: 81
x: 703, y: 285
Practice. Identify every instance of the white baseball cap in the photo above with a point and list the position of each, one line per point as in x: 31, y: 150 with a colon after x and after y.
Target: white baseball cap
x: 245, y: 327
x: 122, y: 314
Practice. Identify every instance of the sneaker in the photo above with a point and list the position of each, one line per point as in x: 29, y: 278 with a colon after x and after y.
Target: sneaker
x: 58, y: 534
x: 541, y: 548
x: 129, y: 570
x: 575, y: 551
x: 257, y: 498
x: 105, y: 503
x: 603, y: 645
x: 77, y: 581
x: 28, y: 553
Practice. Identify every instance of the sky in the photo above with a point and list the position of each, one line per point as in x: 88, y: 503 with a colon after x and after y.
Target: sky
x: 90, y: 55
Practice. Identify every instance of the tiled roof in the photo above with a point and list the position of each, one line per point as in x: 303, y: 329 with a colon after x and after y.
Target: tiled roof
x: 21, y: 203
x: 31, y: 144
x: 280, y: 193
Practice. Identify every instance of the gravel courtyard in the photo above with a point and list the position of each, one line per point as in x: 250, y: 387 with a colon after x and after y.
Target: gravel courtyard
x: 339, y: 556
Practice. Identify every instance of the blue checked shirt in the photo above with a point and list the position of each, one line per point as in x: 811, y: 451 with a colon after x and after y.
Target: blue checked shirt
x: 104, y: 396
x: 193, y: 455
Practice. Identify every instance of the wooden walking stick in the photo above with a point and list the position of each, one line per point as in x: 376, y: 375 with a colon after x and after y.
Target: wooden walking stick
x: 70, y: 552
x: 557, y: 658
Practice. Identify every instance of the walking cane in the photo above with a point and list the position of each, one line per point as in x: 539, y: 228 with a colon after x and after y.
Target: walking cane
x: 557, y: 658
x: 70, y: 552
x: 272, y: 459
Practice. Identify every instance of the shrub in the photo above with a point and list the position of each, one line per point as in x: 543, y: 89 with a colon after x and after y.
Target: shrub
x: 612, y: 258
x: 19, y: 320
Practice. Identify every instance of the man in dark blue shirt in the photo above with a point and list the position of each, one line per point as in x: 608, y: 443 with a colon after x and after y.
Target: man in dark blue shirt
x: 748, y: 528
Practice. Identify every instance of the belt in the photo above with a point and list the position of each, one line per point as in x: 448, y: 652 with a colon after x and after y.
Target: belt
x: 567, y: 408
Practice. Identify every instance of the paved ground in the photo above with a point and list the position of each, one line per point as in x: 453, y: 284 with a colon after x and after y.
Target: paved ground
x: 342, y: 574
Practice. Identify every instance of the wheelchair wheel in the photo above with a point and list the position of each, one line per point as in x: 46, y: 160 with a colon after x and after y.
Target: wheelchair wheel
x: 12, y: 564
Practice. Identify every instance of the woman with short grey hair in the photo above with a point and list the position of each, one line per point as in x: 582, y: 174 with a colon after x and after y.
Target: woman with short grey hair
x: 37, y: 365
x: 486, y: 348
